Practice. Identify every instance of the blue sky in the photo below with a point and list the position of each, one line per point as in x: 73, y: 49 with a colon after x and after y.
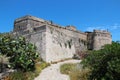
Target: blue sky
x: 86, y: 15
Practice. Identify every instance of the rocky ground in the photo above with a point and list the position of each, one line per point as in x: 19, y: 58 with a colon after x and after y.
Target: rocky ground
x: 53, y: 72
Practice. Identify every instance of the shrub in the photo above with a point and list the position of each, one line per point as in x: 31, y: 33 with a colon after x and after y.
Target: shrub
x: 104, y: 63
x: 22, y: 54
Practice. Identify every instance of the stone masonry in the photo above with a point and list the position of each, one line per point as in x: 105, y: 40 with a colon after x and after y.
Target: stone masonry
x: 55, y: 42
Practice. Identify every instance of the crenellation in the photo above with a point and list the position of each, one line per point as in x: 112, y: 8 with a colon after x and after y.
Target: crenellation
x: 55, y: 42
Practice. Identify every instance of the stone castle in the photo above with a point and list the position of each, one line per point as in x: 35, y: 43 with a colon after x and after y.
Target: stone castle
x: 55, y: 42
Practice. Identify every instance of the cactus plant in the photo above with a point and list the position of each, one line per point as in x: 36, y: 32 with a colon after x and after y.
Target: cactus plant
x: 22, y: 53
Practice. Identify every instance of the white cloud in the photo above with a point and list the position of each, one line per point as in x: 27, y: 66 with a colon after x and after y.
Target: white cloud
x: 115, y: 26
x: 98, y: 28
x: 107, y: 27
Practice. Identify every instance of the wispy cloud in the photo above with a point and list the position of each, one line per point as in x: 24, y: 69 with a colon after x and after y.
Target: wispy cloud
x: 106, y: 27
x: 98, y: 28
x: 115, y: 26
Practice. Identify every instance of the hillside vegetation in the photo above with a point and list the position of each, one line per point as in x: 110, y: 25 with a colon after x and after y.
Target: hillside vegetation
x: 21, y: 56
x: 103, y: 64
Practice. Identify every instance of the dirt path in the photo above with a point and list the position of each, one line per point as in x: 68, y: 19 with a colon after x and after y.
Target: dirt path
x: 53, y: 72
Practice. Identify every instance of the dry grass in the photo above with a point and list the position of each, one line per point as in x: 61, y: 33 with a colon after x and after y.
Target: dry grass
x: 30, y: 75
x: 79, y: 74
x: 75, y: 71
x: 39, y: 67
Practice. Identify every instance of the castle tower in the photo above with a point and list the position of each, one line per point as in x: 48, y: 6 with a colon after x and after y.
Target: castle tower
x: 27, y: 23
x: 100, y: 38
x: 34, y: 29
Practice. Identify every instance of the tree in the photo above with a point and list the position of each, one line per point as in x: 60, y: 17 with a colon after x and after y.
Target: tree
x: 22, y: 53
x: 104, y: 63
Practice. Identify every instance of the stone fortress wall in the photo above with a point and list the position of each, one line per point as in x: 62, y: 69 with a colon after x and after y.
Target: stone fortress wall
x: 55, y: 42
x: 101, y: 38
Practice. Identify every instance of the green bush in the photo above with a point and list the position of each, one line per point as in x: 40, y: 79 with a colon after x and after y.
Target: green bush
x: 104, y: 63
x: 22, y: 53
x: 22, y: 56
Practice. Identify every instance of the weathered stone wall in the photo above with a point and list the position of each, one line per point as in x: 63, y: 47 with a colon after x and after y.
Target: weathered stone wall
x: 100, y: 39
x: 63, y: 43
x: 57, y: 47
x: 27, y: 23
x: 39, y: 39
x: 34, y: 29
x: 55, y: 42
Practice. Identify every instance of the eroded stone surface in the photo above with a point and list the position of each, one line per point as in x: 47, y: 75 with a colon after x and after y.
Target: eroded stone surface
x: 55, y: 42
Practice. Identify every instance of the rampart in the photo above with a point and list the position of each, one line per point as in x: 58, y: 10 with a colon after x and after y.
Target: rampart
x: 55, y: 42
